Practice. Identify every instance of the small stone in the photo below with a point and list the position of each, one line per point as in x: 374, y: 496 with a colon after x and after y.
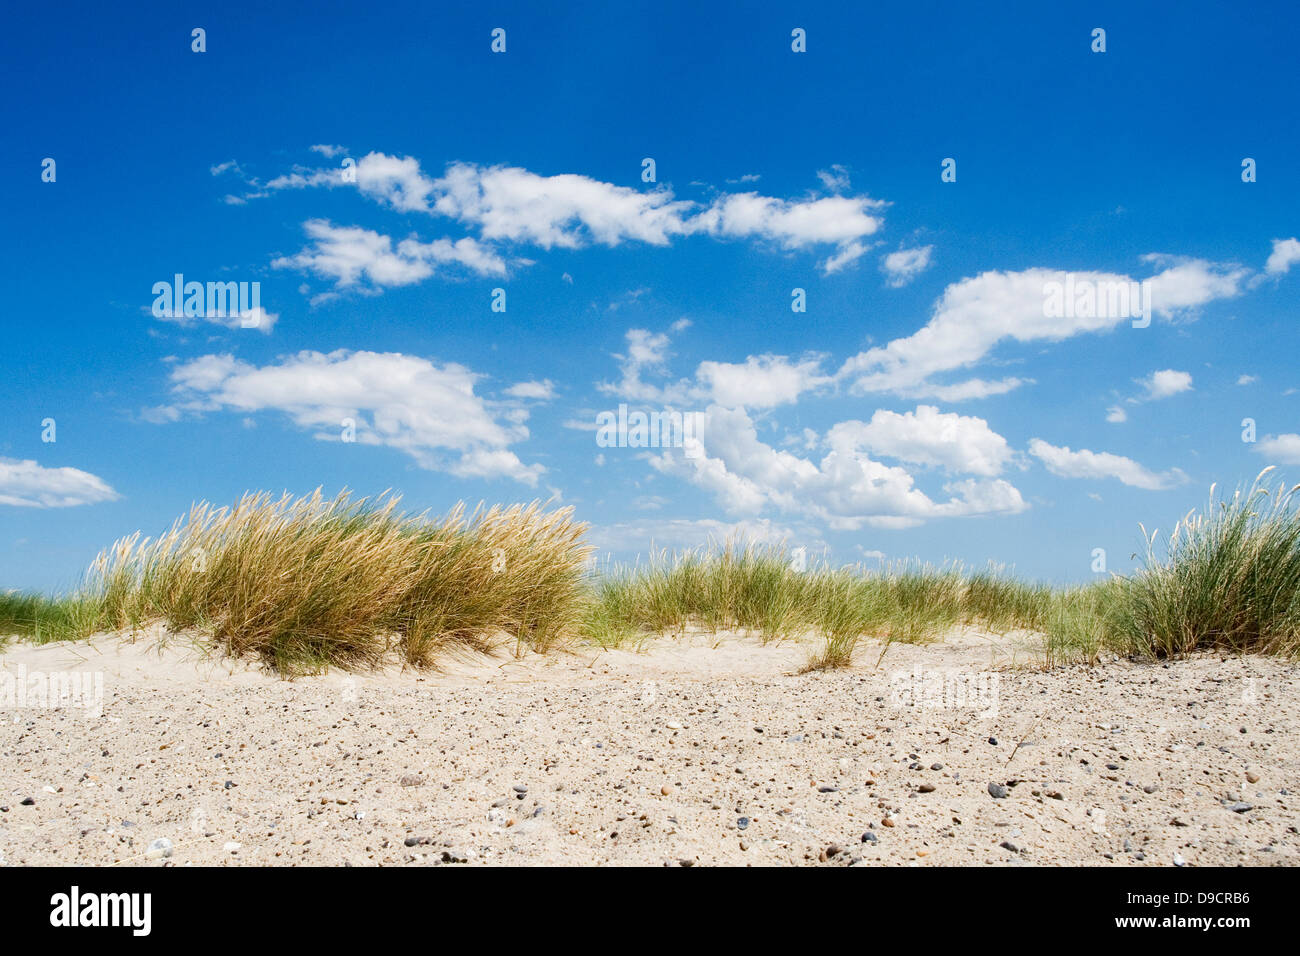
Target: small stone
x: 520, y: 788
x: 870, y: 837
x: 1178, y: 860
x: 1150, y: 788
x: 1252, y: 777
x: 936, y: 766
x: 887, y: 822
x: 666, y: 789
x: 742, y: 822
x: 925, y: 788
x: 673, y: 725
x: 158, y: 849
x: 827, y: 788
x: 993, y: 741
x: 1240, y: 807
x: 997, y: 791
x: 412, y: 840
x: 1008, y: 845
x: 1054, y: 794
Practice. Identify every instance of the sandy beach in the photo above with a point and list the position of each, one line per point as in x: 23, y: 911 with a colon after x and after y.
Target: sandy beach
x: 697, y: 750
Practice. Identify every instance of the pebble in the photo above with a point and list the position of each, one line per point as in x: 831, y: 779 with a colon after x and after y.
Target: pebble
x: 870, y: 837
x: 997, y: 791
x: 411, y: 780
x: 1240, y: 807
x: 827, y: 788
x: 1150, y: 788
x: 1008, y: 845
x: 936, y: 766
x: 666, y: 789
x: 28, y: 802
x: 742, y: 822
x: 993, y: 741
x: 1178, y: 860
x: 925, y: 788
x: 1252, y: 777
x: 158, y: 849
x: 673, y: 725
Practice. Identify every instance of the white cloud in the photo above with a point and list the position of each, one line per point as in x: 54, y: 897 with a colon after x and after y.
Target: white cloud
x: 846, y: 489
x: 427, y: 411
x: 903, y: 266
x: 1083, y: 463
x: 835, y: 179
x: 25, y: 484
x: 1186, y: 283
x: 647, y: 352
x: 1286, y: 252
x: 761, y: 381
x: 1247, y: 379
x: 974, y: 315
x: 957, y: 443
x: 328, y: 151
x: 849, y: 253
x: 1280, y: 449
x: 1166, y: 382
x: 1116, y: 415
x: 543, y: 390
x: 569, y: 210
x: 350, y: 254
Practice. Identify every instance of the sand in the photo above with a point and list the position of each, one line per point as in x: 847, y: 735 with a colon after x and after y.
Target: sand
x: 697, y: 750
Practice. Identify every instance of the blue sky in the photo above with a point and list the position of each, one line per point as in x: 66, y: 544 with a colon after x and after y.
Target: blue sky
x: 378, y: 170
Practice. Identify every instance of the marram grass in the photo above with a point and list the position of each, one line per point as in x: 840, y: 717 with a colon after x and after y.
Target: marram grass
x: 312, y: 582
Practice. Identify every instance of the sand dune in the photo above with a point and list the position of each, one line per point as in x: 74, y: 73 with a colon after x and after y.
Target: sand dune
x: 699, y: 750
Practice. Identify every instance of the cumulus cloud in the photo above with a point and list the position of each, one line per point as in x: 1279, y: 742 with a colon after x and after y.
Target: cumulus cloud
x: 957, y: 443
x: 541, y: 391
x: 1166, y: 382
x: 26, y: 484
x: 1280, y: 449
x: 1065, y: 463
x: 428, y: 411
x: 1286, y: 253
x: 975, y: 315
x: 903, y: 266
x: 760, y: 381
x: 846, y: 489
x: 569, y: 210
x: 351, y: 255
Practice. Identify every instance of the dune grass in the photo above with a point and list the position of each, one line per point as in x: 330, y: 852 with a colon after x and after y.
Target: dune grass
x: 759, y: 589
x: 312, y: 582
